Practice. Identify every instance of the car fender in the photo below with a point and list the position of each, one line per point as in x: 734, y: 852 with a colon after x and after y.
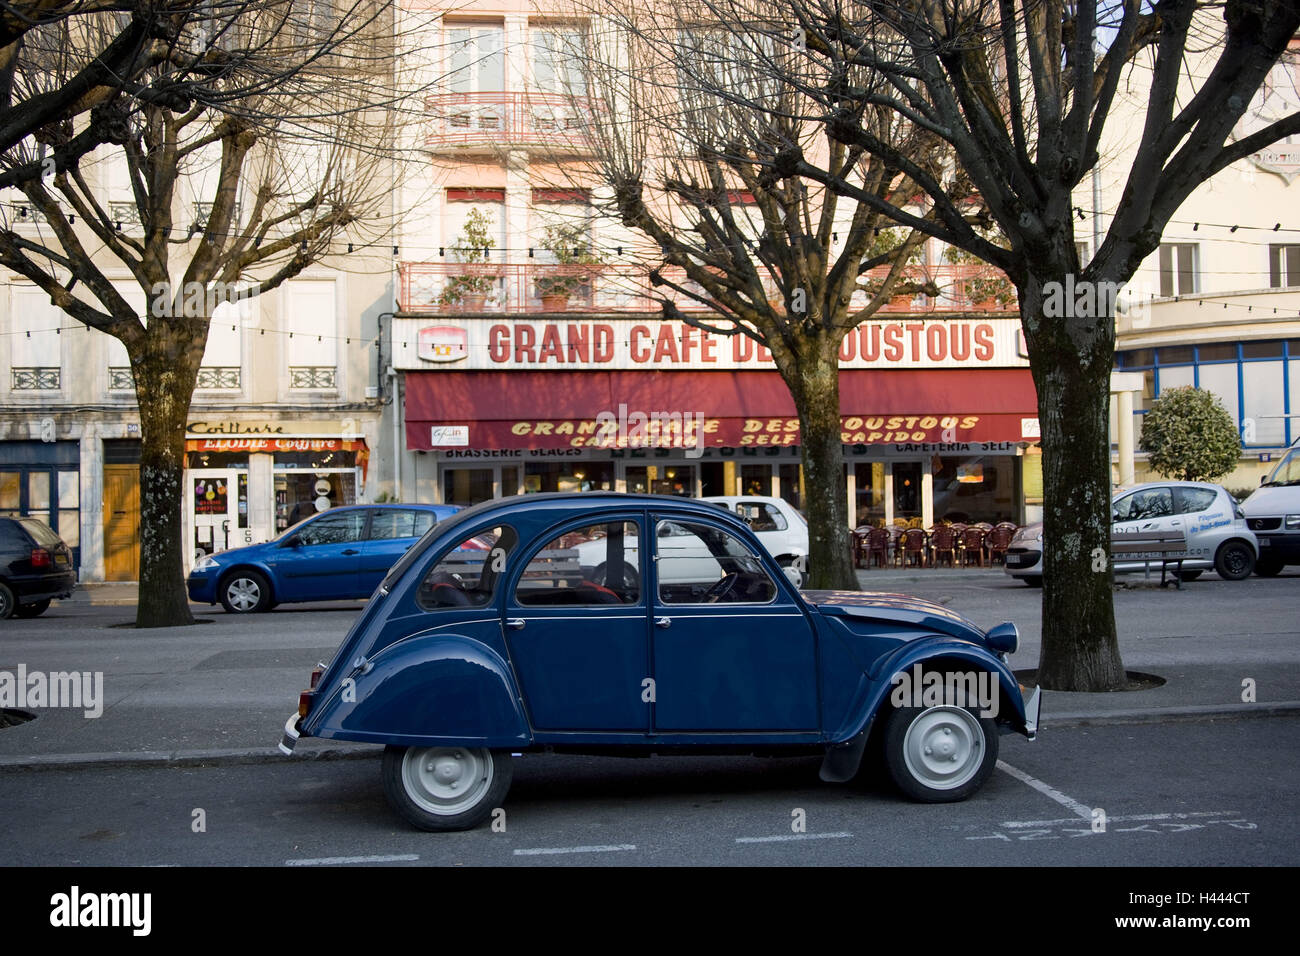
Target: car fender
x: 425, y: 690
x: 875, y: 694
x: 259, y: 566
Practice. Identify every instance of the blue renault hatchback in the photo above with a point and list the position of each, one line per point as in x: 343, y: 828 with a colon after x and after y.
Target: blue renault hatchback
x: 555, y: 623
x: 339, y: 554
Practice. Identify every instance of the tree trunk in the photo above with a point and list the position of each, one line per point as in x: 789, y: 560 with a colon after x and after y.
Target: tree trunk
x: 1071, y: 359
x: 816, y: 391
x: 164, y: 383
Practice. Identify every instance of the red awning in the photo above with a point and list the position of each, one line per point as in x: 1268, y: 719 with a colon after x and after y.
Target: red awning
x: 529, y: 409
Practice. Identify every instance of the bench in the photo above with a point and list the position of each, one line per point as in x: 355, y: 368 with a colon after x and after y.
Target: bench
x: 1152, y: 546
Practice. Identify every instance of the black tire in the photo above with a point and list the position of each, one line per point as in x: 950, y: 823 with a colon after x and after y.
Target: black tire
x: 1269, y: 567
x: 245, y: 592
x: 7, y: 602
x: 32, y: 610
x: 1033, y: 580
x: 1235, y: 561
x: 1190, y: 575
x: 418, y: 782
x: 922, y: 731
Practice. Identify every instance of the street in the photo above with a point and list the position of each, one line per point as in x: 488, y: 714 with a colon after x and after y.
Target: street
x: 181, y: 768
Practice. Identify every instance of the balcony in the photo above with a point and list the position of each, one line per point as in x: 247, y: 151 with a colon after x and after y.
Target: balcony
x: 487, y: 122
x: 625, y: 287
x: 35, y: 379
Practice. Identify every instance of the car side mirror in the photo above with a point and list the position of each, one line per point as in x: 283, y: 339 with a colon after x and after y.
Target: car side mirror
x: 1114, y: 516
x: 294, y: 542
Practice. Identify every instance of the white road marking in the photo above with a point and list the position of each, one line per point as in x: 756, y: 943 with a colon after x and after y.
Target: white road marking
x: 345, y: 860
x: 552, y: 850
x: 1130, y: 818
x: 1074, y: 806
x: 787, y: 837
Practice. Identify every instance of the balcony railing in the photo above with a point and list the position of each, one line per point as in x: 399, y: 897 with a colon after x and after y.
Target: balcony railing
x: 462, y: 121
x: 313, y: 376
x: 514, y: 288
x: 121, y: 379
x: 32, y: 379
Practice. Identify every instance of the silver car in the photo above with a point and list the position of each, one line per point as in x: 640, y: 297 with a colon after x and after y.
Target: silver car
x: 1217, y: 536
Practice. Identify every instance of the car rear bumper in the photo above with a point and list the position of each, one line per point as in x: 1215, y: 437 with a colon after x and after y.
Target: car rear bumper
x: 290, y: 737
x: 29, y: 589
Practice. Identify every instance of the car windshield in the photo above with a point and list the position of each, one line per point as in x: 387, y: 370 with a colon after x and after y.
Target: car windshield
x: 1287, y: 471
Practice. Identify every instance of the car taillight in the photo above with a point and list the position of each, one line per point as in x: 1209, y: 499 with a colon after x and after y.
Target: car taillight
x: 41, y: 558
x: 315, y: 675
x: 304, y: 702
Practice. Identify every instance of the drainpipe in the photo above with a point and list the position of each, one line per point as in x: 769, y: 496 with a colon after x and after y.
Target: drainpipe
x: 395, y: 385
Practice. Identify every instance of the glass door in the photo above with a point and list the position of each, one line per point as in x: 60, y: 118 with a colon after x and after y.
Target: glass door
x: 218, y: 500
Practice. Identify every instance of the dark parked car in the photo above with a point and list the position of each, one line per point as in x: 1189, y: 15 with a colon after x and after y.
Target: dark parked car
x: 35, y: 567
x: 496, y: 634
x: 339, y: 554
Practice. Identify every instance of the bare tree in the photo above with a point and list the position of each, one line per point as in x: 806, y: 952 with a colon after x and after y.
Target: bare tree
x: 693, y: 113
x: 281, y: 131
x: 1021, y: 92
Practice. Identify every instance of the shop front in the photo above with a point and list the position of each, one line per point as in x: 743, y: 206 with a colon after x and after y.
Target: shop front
x: 929, y: 432
x: 247, y: 482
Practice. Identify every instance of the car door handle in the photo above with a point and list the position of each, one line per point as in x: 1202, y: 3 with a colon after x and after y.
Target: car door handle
x: 515, y: 623
x: 351, y: 551
x: 663, y: 622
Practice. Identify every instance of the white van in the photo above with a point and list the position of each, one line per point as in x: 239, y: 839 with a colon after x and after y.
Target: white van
x: 1273, y: 513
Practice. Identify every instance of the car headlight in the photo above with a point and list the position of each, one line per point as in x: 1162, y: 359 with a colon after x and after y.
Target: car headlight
x: 206, y: 563
x: 1293, y: 522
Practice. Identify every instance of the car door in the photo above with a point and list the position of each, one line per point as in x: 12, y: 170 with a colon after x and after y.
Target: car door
x: 580, y: 645
x: 732, y: 647
x: 325, y: 561
x: 1145, y: 509
x: 390, y: 533
x: 1207, y: 517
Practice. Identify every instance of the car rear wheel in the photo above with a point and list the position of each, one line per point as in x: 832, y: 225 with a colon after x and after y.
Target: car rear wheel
x: 1235, y: 561
x: 445, y: 788
x: 245, y: 592
x: 7, y: 602
x: 1189, y: 575
x: 939, y: 754
x: 32, y: 610
x: 1268, y: 567
x: 1033, y: 580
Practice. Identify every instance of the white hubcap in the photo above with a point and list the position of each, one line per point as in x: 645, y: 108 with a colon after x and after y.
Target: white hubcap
x: 944, y: 747
x: 243, y: 594
x: 446, y: 780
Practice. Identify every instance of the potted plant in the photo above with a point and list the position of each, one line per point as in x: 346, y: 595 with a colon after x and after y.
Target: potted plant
x: 470, y: 291
x: 568, y: 243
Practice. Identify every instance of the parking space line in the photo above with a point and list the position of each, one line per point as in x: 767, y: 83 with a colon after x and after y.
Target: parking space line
x: 1125, y: 818
x: 1074, y: 806
x: 552, y: 850
x: 788, y: 837
x: 345, y: 860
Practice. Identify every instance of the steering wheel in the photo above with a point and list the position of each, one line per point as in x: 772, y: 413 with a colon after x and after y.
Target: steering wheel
x: 721, y: 588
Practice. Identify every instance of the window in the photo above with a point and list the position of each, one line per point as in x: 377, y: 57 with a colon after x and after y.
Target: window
x: 339, y: 528
x: 1283, y: 265
x: 585, y: 567
x: 1141, y: 505
x: 1178, y: 268
x: 399, y: 523
x: 467, y: 575
x: 1192, y: 500
x: 700, y: 564
x: 312, y: 323
x: 476, y: 61
x: 556, y: 53
x: 761, y: 517
x: 35, y: 358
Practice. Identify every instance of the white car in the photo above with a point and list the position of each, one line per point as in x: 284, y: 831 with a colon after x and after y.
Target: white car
x: 780, y: 528
x: 779, y: 525
x: 1273, y: 513
x: 1217, y: 536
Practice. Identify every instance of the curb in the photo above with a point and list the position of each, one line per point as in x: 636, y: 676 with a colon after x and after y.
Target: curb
x: 265, y: 755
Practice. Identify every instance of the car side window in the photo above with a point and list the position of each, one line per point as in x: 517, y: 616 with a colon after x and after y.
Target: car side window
x: 468, y: 574
x: 1192, y: 500
x: 584, y: 567
x: 1144, y: 505
x: 340, y: 528
x: 700, y: 564
x: 399, y: 523
x: 761, y: 517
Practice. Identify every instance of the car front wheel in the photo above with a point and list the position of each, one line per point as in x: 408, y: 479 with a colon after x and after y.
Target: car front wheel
x: 445, y: 788
x: 1235, y: 561
x: 7, y: 602
x: 939, y: 754
x: 245, y: 592
x: 795, y: 572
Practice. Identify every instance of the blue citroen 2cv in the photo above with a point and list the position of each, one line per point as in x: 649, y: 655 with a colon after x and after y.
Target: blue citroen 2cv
x: 611, y: 623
